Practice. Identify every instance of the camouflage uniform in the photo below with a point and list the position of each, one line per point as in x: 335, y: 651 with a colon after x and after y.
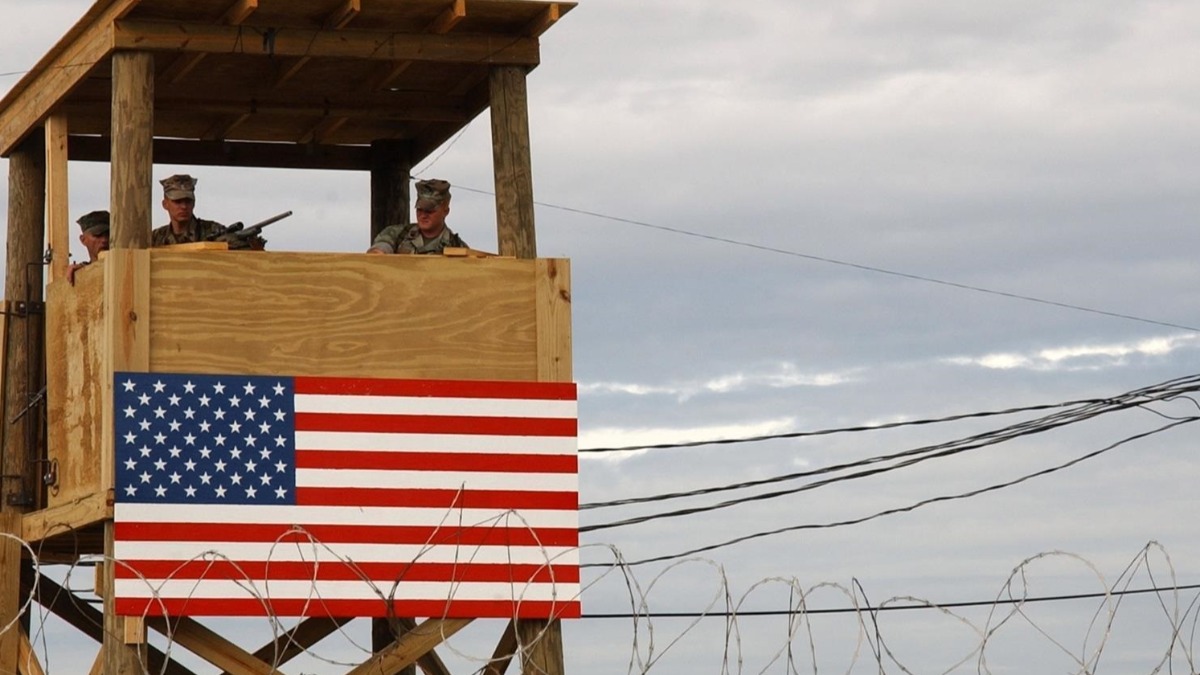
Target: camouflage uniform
x: 183, y: 186
x: 198, y: 230
x: 407, y: 238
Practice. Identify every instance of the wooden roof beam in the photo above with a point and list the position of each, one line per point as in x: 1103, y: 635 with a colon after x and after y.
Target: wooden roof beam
x: 237, y: 14
x: 299, y: 42
x: 449, y: 18
x: 343, y: 14
x: 544, y: 21
x: 234, y: 153
x: 337, y: 20
x: 323, y: 129
x: 444, y: 23
x: 221, y: 129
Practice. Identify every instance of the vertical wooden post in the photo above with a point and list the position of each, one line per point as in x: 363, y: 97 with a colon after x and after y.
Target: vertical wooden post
x: 58, y: 217
x: 127, y: 298
x: 23, y: 292
x: 390, y: 165
x: 510, y: 157
x: 22, y: 371
x: 132, y: 161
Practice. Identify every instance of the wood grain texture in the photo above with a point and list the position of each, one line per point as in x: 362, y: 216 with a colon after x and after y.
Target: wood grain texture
x: 347, y: 315
x: 75, y: 343
x: 58, y: 222
x: 132, y: 149
x: 511, y: 159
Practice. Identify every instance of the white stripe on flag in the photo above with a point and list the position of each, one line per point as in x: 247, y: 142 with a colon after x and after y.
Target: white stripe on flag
x: 345, y: 515
x: 493, y: 445
x: 132, y: 551
x: 342, y: 590
x: 427, y: 405
x: 436, y: 480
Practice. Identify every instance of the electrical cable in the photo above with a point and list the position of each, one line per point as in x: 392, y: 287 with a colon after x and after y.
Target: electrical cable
x: 853, y: 265
x: 893, y: 608
x: 904, y: 509
x: 1169, y: 390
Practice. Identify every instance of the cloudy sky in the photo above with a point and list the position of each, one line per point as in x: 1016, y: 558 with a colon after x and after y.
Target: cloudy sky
x: 788, y: 216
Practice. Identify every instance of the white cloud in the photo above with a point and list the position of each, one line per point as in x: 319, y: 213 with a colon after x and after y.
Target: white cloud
x: 782, y: 376
x: 619, y: 437
x: 1078, y: 357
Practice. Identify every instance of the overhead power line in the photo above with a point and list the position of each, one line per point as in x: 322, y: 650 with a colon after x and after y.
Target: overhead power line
x: 892, y: 608
x: 890, y: 462
x: 842, y: 430
x: 854, y: 265
x: 902, y: 509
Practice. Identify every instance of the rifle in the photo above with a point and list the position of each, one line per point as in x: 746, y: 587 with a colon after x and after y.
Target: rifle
x: 240, y: 236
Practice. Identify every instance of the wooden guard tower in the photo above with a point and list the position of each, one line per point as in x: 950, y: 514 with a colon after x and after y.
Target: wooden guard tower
x: 359, y: 85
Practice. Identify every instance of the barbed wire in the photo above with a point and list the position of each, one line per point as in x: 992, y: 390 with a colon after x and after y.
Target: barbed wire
x: 983, y: 644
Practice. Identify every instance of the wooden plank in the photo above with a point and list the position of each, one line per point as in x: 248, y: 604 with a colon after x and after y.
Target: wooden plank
x: 390, y: 167
x: 343, y: 14
x: 58, y: 217
x: 28, y: 660
x: 135, y: 630
x: 503, y: 654
x: 448, y: 19
x: 23, y: 286
x: 554, y: 320
x: 180, y: 68
x: 74, y: 386
x: 97, y: 665
x: 289, y: 69
x: 409, y: 648
x: 388, y: 316
x: 234, y: 153
x: 27, y: 105
x: 132, y: 149
x: 120, y: 658
x: 511, y: 160
x: 86, y: 619
x: 73, y: 515
x: 544, y: 21
x: 10, y: 588
x: 291, y: 644
x: 208, y: 645
x: 322, y: 130
x: 238, y: 12
x: 541, y: 647
x: 127, y: 332
x: 297, y: 42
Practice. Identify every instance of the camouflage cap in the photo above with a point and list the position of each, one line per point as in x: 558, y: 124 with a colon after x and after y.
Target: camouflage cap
x: 432, y: 193
x: 179, y: 186
x: 95, y: 223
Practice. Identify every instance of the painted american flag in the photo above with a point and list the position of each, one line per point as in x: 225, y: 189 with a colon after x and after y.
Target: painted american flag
x: 252, y: 495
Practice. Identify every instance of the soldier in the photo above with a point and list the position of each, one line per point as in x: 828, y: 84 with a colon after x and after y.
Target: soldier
x: 430, y: 233
x: 179, y: 200
x: 94, y: 238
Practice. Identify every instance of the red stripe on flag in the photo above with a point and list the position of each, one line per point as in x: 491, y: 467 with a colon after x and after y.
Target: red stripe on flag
x: 437, y: 499
x: 436, y: 461
x: 464, y: 609
x: 346, y: 534
x: 437, y: 424
x: 547, y: 391
x: 379, y: 574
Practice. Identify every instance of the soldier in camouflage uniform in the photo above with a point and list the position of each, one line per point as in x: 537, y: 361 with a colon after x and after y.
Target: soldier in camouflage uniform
x: 94, y: 237
x: 179, y: 200
x: 430, y: 233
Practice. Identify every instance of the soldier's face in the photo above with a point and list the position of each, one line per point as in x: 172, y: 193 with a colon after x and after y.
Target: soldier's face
x: 180, y: 210
x: 94, y: 243
x: 433, y: 220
